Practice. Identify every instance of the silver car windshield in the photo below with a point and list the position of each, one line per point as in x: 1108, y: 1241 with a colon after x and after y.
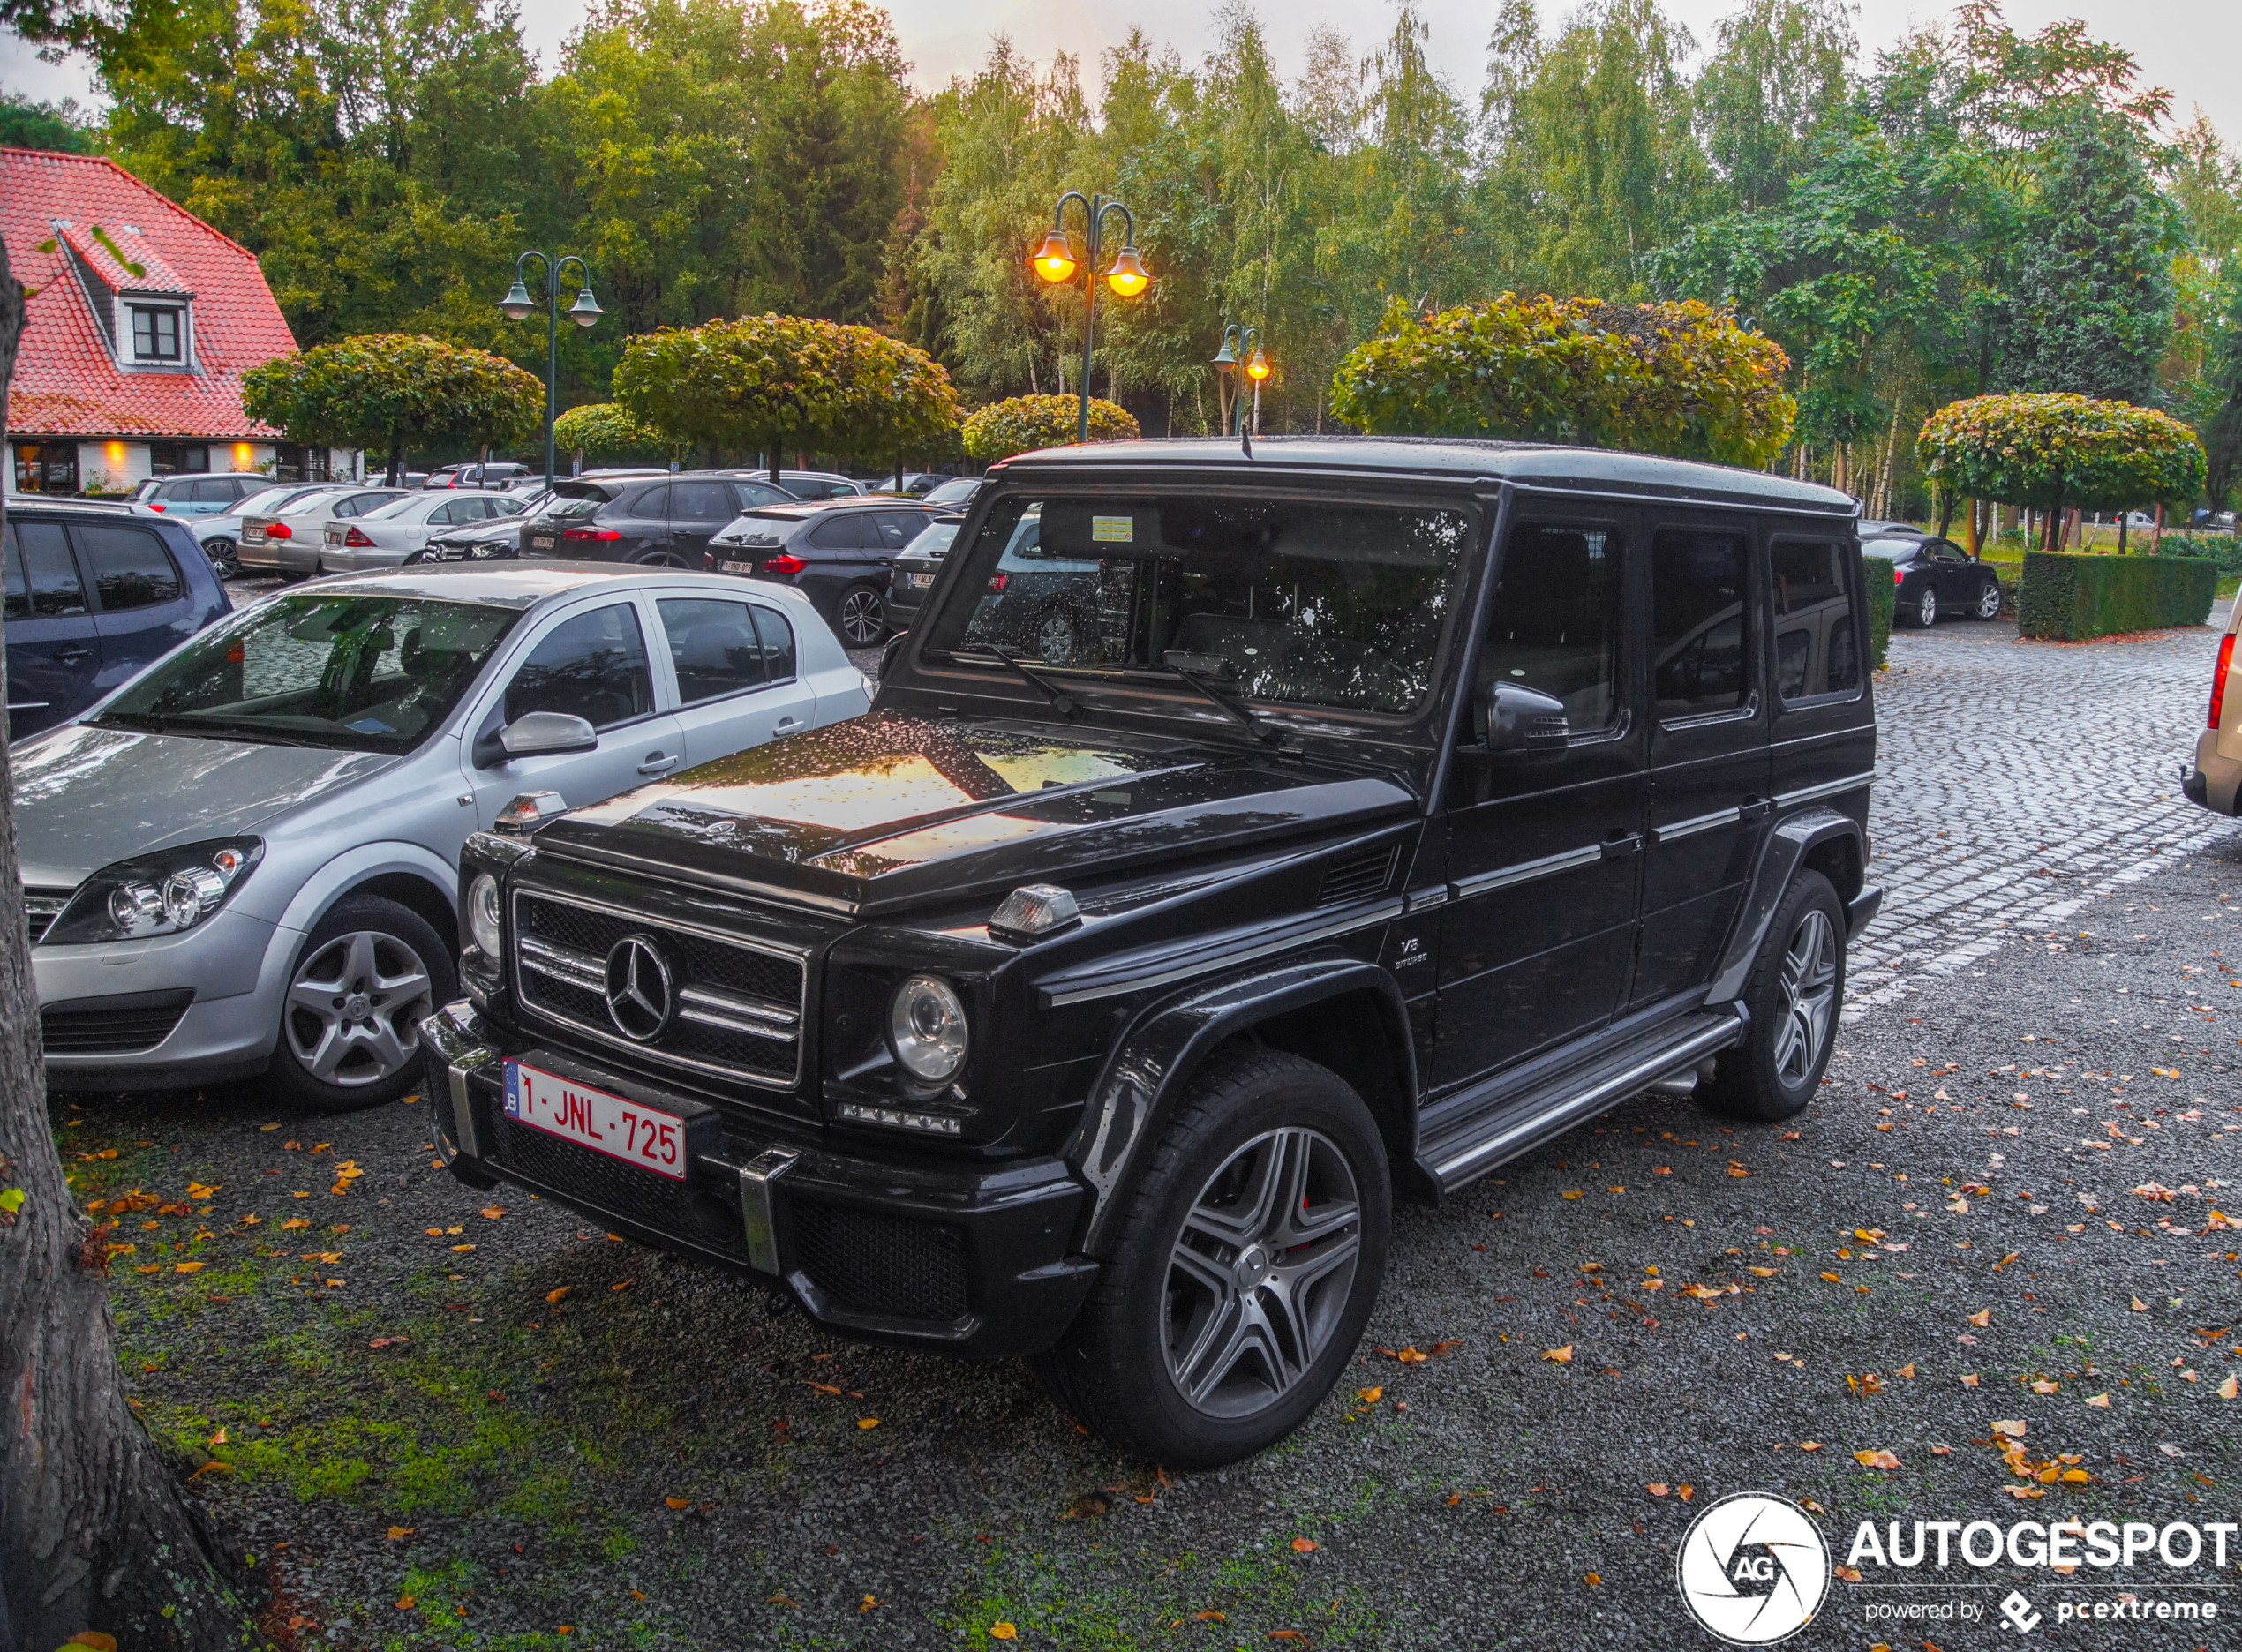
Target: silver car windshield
x: 1301, y: 601
x: 358, y: 673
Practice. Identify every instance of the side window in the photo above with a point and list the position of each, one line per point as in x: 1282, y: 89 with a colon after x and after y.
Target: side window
x: 1816, y: 650
x: 130, y: 566
x: 1555, y: 623
x: 651, y: 506
x: 841, y: 532
x: 699, y: 502
x: 592, y: 666
x: 505, y: 507
x: 898, y: 528
x: 42, y: 575
x: 1699, y: 658
x: 1947, y: 551
x: 713, y: 644
x: 752, y: 494
x: 777, y: 644
x: 216, y: 490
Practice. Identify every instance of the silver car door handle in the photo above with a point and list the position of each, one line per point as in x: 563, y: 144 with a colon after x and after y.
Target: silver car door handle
x: 788, y: 725
x: 655, y: 763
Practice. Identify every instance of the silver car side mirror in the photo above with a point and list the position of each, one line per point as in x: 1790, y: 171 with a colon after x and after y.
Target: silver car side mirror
x: 547, y: 733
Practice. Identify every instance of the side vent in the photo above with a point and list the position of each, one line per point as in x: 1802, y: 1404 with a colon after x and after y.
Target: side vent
x: 1360, y: 875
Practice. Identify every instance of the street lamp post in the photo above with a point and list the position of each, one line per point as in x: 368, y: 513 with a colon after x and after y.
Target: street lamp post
x: 1241, y: 352
x: 518, y: 305
x: 1054, y: 261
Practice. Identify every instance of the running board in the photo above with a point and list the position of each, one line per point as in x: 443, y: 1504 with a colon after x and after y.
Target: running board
x: 1488, y: 1137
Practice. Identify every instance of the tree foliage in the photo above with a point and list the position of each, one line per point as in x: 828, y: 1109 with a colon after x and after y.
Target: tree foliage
x: 1681, y: 379
x: 2059, y: 451
x: 390, y: 392
x: 771, y: 381
x: 1023, y: 424
x: 603, y: 428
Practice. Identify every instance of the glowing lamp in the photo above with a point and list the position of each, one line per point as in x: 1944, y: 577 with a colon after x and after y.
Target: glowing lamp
x: 1054, y: 259
x: 1128, y: 277
x: 1257, y: 366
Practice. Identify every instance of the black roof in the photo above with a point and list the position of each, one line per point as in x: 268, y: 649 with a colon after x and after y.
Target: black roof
x: 1533, y: 464
x: 797, y: 509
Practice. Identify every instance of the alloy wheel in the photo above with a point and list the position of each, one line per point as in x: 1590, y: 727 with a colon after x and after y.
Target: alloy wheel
x: 355, y: 1007
x: 224, y: 555
x: 1809, y: 989
x: 1259, y: 1277
x: 662, y: 559
x: 861, y: 618
x: 1055, y: 639
x: 1989, y: 602
x: 1927, y: 608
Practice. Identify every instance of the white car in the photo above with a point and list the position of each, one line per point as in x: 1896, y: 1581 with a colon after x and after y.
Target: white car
x: 246, y: 859
x: 387, y: 535
x: 287, y: 541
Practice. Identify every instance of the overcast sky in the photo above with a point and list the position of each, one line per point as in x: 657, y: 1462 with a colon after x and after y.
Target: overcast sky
x: 2191, y: 47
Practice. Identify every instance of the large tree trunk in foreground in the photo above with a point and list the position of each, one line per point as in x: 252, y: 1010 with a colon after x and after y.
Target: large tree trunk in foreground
x: 95, y: 1532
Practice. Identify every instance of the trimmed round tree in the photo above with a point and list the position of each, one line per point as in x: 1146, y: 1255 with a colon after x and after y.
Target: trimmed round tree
x: 604, y: 428
x: 2057, y: 451
x: 388, y: 391
x: 1026, y: 422
x: 771, y: 381
x: 1682, y: 379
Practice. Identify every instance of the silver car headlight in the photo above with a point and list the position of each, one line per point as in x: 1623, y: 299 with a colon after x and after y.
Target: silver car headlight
x: 482, y: 914
x: 926, y: 1027
x: 156, y: 894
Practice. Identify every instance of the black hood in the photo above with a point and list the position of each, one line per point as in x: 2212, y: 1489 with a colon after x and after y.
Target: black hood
x: 888, y: 811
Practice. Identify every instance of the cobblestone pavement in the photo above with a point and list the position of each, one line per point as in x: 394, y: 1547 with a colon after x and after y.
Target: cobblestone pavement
x: 2017, y: 782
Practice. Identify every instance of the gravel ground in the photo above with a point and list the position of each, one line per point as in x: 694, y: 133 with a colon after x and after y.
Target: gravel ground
x: 433, y: 1422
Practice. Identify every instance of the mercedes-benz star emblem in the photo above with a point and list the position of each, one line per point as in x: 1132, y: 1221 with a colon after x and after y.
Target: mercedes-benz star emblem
x: 640, y: 1000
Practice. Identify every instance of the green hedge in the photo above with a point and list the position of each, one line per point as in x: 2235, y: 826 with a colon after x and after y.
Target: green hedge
x: 2224, y: 549
x: 1881, y: 589
x: 2069, y: 596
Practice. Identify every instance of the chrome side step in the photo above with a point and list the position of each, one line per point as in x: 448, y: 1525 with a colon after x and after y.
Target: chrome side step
x: 1479, y: 1144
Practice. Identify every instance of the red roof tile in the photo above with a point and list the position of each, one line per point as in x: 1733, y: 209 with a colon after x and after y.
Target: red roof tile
x: 67, y: 383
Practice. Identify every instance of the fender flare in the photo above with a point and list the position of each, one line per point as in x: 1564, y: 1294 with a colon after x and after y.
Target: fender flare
x: 1154, y: 1059
x: 320, y: 890
x: 1788, y: 843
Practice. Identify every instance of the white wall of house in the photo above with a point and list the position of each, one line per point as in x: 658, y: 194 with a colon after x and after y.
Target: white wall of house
x: 112, y: 467
x: 115, y: 467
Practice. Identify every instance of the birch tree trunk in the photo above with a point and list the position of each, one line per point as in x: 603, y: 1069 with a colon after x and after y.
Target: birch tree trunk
x: 95, y: 1530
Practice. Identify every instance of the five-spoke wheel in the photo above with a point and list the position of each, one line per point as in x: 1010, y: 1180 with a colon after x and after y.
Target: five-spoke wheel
x: 1809, y: 989
x: 349, y: 1025
x: 1797, y: 984
x: 861, y: 616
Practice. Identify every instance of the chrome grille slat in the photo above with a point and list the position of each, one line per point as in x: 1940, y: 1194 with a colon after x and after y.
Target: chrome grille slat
x: 739, y: 998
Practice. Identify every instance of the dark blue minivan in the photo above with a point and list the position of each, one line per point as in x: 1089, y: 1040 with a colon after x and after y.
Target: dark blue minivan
x: 94, y: 592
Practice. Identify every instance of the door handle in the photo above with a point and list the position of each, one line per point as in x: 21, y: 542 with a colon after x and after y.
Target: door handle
x: 1619, y: 846
x: 1755, y: 808
x: 73, y: 653
x: 655, y: 763
x: 788, y: 725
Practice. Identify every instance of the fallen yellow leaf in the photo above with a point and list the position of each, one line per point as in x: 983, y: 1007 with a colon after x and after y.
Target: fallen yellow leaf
x: 190, y: 1267
x: 494, y: 1211
x: 1591, y: 1579
x: 1563, y: 1355
x: 868, y: 1421
x: 1810, y: 1444
x: 1876, y: 1460
x: 1369, y: 1396
x: 1003, y: 1631
x: 557, y: 1293
x: 2013, y: 1426
x: 2101, y: 1401
x: 1657, y: 1488
x: 1983, y: 1317
x: 1848, y: 1574
x: 1970, y: 1381
x: 2228, y: 1389
x: 398, y: 1532
x: 405, y: 1603
x: 1303, y: 1545
x: 2140, y: 1306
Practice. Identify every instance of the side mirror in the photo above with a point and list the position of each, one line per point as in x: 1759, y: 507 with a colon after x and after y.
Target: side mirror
x: 546, y: 734
x: 891, y: 653
x: 1525, y: 722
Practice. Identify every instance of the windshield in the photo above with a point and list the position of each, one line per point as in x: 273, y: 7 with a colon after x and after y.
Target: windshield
x: 933, y: 540
x: 957, y: 491
x: 1307, y: 602
x: 572, y: 503
x: 360, y: 673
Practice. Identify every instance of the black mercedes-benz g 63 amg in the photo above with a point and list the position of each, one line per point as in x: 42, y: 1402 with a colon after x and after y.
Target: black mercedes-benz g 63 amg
x: 1383, y: 809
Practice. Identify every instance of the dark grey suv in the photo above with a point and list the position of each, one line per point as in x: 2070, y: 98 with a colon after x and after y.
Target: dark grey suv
x: 666, y: 521
x: 842, y: 553
x: 1398, y: 807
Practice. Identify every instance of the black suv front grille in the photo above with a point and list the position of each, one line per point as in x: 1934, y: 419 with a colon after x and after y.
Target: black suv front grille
x: 739, y: 1005
x: 606, y: 1185
x: 881, y: 1263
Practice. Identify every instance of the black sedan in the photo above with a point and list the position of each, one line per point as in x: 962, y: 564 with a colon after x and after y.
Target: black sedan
x: 1936, y: 576
x: 841, y: 552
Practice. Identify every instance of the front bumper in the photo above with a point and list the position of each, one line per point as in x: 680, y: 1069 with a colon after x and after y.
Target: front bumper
x: 967, y: 1259
x: 169, y: 1013
x: 2214, y: 781
x: 1860, y: 911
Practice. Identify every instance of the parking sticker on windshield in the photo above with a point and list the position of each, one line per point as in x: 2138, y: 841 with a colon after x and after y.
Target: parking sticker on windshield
x: 1113, y: 529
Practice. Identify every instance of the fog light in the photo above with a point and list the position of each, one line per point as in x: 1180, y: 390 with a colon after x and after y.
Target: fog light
x: 926, y: 1123
x: 1033, y: 911
x: 926, y: 1025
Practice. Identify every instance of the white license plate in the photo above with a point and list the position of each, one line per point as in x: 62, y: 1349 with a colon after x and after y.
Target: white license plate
x: 335, y: 536
x: 542, y: 542
x: 739, y: 567
x: 253, y: 536
x: 918, y: 581
x: 628, y: 1131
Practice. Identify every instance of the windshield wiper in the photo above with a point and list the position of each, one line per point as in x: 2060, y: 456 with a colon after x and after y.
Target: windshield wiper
x: 1239, y: 711
x: 1062, y: 701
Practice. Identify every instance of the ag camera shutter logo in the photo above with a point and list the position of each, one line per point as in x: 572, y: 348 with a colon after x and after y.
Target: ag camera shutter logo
x: 1753, y: 1569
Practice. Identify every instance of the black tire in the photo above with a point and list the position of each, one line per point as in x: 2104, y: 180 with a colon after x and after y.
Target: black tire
x: 1252, y: 1111
x: 1769, y: 1077
x: 367, y: 973
x: 858, y: 616
x: 661, y: 558
x: 1987, y: 605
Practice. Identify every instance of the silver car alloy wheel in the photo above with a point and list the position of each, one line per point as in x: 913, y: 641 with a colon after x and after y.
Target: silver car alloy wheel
x: 1055, y: 639
x: 1260, y: 1275
x: 1809, y: 997
x: 1927, y: 608
x: 862, y: 618
x: 354, y: 1008
x: 1989, y: 602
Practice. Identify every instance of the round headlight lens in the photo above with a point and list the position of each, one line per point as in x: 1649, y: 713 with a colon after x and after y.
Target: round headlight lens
x: 482, y: 912
x: 187, y: 894
x: 926, y: 1023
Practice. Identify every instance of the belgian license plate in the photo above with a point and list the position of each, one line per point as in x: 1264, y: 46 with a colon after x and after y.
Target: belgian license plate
x: 918, y: 581
x: 541, y: 541
x: 739, y: 567
x: 628, y: 1131
x: 253, y: 536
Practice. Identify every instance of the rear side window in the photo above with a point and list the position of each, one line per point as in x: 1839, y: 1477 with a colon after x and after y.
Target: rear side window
x: 41, y: 579
x: 129, y: 566
x: 1816, y: 649
x: 216, y: 490
x: 714, y: 646
x: 1556, y: 622
x: 652, y: 505
x: 700, y: 502
x: 778, y: 639
x: 592, y: 666
x: 898, y: 528
x: 844, y: 532
x: 751, y: 494
x: 1699, y: 660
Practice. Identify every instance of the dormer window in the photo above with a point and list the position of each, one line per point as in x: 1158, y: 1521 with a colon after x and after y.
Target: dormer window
x: 157, y: 331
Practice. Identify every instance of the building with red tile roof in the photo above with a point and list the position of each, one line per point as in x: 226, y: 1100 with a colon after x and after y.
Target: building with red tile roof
x: 141, y: 321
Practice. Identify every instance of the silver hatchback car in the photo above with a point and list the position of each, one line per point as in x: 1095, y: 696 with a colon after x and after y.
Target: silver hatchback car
x: 245, y: 861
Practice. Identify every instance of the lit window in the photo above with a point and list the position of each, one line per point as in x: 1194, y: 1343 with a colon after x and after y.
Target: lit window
x: 155, y: 333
